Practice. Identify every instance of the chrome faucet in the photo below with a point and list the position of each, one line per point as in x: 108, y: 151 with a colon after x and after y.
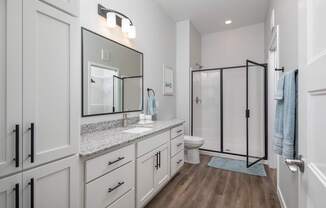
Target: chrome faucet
x: 125, y: 120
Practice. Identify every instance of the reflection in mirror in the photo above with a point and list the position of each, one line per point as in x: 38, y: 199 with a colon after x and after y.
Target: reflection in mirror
x: 112, y: 76
x: 132, y: 88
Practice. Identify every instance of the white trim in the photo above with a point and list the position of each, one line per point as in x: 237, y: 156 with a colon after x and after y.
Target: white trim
x: 281, y: 198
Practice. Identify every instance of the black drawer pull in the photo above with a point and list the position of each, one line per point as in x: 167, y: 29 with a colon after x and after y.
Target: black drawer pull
x: 178, y: 145
x: 31, y: 183
x: 179, y: 131
x: 32, y: 142
x: 115, y: 161
x: 115, y: 187
x: 156, y: 158
x: 159, y: 159
x: 179, y: 162
x: 16, y: 189
x: 16, y: 159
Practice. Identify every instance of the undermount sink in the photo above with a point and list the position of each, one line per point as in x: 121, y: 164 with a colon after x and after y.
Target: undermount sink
x: 137, y: 130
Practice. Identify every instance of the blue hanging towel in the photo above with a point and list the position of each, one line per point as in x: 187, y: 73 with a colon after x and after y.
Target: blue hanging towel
x: 284, y: 127
x: 278, y: 125
x: 151, y: 105
x: 289, y: 115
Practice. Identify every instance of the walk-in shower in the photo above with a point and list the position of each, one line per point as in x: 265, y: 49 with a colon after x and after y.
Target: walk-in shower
x: 229, y: 110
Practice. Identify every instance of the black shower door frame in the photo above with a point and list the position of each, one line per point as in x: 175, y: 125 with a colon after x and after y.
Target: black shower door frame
x: 249, y: 63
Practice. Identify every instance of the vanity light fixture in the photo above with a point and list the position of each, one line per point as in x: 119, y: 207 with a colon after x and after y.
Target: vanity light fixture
x: 227, y: 22
x: 115, y: 18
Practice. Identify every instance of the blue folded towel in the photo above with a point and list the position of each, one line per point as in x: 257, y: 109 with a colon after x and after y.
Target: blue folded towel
x: 151, y: 105
x: 284, y: 127
x: 289, y: 115
x: 279, y: 112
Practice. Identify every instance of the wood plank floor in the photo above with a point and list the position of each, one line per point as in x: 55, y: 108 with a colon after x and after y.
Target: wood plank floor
x: 200, y: 186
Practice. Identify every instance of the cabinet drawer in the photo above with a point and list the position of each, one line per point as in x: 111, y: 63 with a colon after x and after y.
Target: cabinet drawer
x: 176, y: 131
x: 177, y: 145
x: 103, y: 191
x: 177, y: 162
x: 103, y: 164
x: 152, y: 142
x: 126, y: 201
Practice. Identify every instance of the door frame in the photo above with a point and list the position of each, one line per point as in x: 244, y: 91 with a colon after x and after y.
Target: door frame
x: 265, y: 67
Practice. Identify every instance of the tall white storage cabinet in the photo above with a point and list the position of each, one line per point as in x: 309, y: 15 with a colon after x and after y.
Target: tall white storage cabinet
x: 50, y: 64
x: 10, y: 86
x: 39, y: 103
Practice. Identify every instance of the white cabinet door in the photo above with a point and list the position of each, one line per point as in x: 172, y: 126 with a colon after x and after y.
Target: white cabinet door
x: 11, y: 192
x: 162, y: 172
x: 52, y: 186
x: 10, y: 85
x: 145, y: 178
x: 70, y: 6
x: 50, y: 88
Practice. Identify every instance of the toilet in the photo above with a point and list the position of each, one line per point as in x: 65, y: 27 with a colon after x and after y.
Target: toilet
x: 192, y: 145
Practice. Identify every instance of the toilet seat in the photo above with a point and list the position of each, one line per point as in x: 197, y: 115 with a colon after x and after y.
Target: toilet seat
x: 193, y: 140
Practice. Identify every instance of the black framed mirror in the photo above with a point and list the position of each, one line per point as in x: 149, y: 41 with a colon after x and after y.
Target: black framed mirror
x: 112, y: 76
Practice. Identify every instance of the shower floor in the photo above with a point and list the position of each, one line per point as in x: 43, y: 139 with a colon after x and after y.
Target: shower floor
x: 199, y: 186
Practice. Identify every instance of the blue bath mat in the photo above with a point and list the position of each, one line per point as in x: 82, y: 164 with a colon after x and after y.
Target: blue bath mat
x: 237, y: 166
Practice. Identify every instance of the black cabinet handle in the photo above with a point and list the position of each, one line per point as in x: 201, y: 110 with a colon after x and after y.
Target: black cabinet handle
x: 179, y: 131
x: 156, y: 157
x: 16, y: 159
x: 115, y: 161
x: 16, y: 189
x: 159, y: 160
x: 115, y: 187
x: 178, y: 145
x: 32, y: 142
x: 31, y: 183
x: 179, y: 162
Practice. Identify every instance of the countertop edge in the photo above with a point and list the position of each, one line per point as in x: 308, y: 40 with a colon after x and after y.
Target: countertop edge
x: 131, y: 141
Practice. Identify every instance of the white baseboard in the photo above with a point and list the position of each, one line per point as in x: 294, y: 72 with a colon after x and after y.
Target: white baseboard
x: 280, y: 197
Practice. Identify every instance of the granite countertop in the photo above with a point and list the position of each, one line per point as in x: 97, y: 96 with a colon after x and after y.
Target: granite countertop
x: 98, y: 141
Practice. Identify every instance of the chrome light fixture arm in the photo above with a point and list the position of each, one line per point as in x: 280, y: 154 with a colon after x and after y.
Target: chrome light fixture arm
x: 102, y: 11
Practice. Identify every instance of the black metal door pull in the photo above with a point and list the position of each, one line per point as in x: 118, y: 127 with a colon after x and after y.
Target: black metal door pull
x: 16, y: 159
x: 32, y: 142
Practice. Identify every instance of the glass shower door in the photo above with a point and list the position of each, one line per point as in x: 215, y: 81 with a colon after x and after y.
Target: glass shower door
x: 206, y: 108
x: 256, y: 112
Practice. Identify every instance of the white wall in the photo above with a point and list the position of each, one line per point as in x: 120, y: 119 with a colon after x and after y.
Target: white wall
x: 188, y: 54
x: 156, y: 38
x: 233, y: 47
x: 286, y: 18
x: 195, y: 47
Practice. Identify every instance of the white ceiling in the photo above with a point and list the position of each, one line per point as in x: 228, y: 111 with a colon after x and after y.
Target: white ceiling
x: 209, y: 15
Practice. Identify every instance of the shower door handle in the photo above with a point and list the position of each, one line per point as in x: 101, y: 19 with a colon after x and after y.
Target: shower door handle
x: 197, y: 100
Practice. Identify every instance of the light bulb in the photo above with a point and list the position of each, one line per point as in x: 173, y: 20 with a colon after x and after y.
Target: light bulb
x: 227, y: 22
x: 111, y: 19
x: 132, y: 32
x: 125, y: 26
